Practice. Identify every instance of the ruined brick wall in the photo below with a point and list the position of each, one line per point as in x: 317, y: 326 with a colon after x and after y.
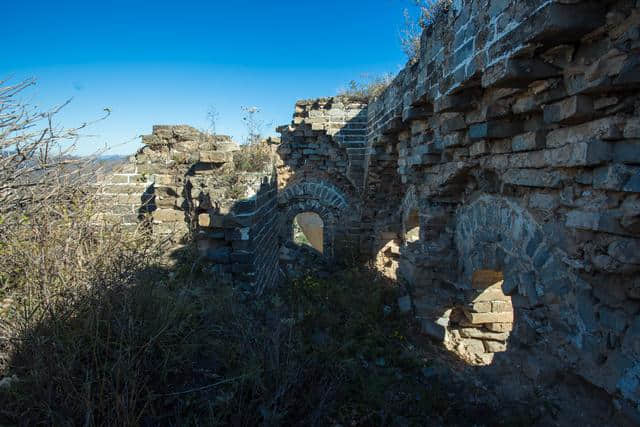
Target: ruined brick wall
x: 497, y: 177
x: 322, y: 170
x: 237, y: 232
x: 184, y: 185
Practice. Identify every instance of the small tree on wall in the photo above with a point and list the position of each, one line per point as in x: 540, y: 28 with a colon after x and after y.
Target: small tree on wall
x: 253, y: 123
x: 253, y: 155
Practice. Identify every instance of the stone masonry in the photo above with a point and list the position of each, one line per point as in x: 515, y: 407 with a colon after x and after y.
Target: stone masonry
x: 184, y: 182
x: 497, y: 178
x: 515, y: 136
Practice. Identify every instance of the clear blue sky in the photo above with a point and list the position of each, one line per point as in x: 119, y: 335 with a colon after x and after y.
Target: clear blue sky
x: 167, y: 62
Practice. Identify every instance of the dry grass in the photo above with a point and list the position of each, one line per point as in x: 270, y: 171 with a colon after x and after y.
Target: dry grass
x: 253, y: 156
x: 368, y: 88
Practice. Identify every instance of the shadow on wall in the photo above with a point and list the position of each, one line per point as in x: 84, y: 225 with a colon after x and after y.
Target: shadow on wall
x: 236, y: 235
x: 486, y: 286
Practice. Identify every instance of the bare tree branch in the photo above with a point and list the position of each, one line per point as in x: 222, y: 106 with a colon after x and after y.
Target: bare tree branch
x: 35, y: 155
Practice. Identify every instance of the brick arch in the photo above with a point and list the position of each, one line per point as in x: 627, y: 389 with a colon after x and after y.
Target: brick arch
x: 324, y: 199
x: 497, y: 233
x: 505, y: 268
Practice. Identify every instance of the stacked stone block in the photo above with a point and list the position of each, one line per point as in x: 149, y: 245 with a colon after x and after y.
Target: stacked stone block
x: 327, y: 134
x: 121, y: 196
x: 483, y: 326
x: 239, y: 234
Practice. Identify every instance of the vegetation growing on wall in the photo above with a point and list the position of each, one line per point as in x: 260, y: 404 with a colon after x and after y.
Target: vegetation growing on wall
x: 425, y: 13
x: 367, y: 88
x: 255, y: 154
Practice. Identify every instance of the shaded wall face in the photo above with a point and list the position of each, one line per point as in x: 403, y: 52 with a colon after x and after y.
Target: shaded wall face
x: 515, y: 134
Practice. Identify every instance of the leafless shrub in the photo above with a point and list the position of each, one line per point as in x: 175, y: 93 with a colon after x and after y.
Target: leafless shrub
x: 36, y: 162
x: 428, y: 12
x: 255, y: 154
x: 56, y: 263
x: 212, y: 118
x: 367, y: 88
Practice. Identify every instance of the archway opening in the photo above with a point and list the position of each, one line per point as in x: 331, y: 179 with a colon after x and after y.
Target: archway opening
x: 480, y: 329
x: 412, y: 227
x: 308, y: 229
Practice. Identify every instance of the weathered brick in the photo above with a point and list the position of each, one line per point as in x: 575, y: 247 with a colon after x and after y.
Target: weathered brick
x: 517, y: 73
x: 215, y: 157
x: 573, y: 110
x: 627, y: 152
x: 594, y: 221
x: 495, y: 129
x: 613, y: 177
x: 590, y: 153
x: 481, y: 307
x: 499, y: 327
x: 528, y: 141
x: 479, y: 148
x: 534, y: 178
x: 632, y: 128
x: 459, y: 102
x: 608, y: 128
x: 494, y: 346
x: 168, y: 215
x: 480, y: 318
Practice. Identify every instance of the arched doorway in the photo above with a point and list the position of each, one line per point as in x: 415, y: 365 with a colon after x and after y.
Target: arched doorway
x: 308, y: 229
x: 340, y: 219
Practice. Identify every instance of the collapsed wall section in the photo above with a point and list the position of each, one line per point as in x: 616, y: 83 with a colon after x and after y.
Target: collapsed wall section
x: 183, y: 184
x: 327, y: 136
x: 237, y: 232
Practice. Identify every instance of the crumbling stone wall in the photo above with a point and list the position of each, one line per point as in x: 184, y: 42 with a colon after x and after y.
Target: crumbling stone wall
x: 515, y: 137
x: 184, y: 184
x: 322, y: 170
